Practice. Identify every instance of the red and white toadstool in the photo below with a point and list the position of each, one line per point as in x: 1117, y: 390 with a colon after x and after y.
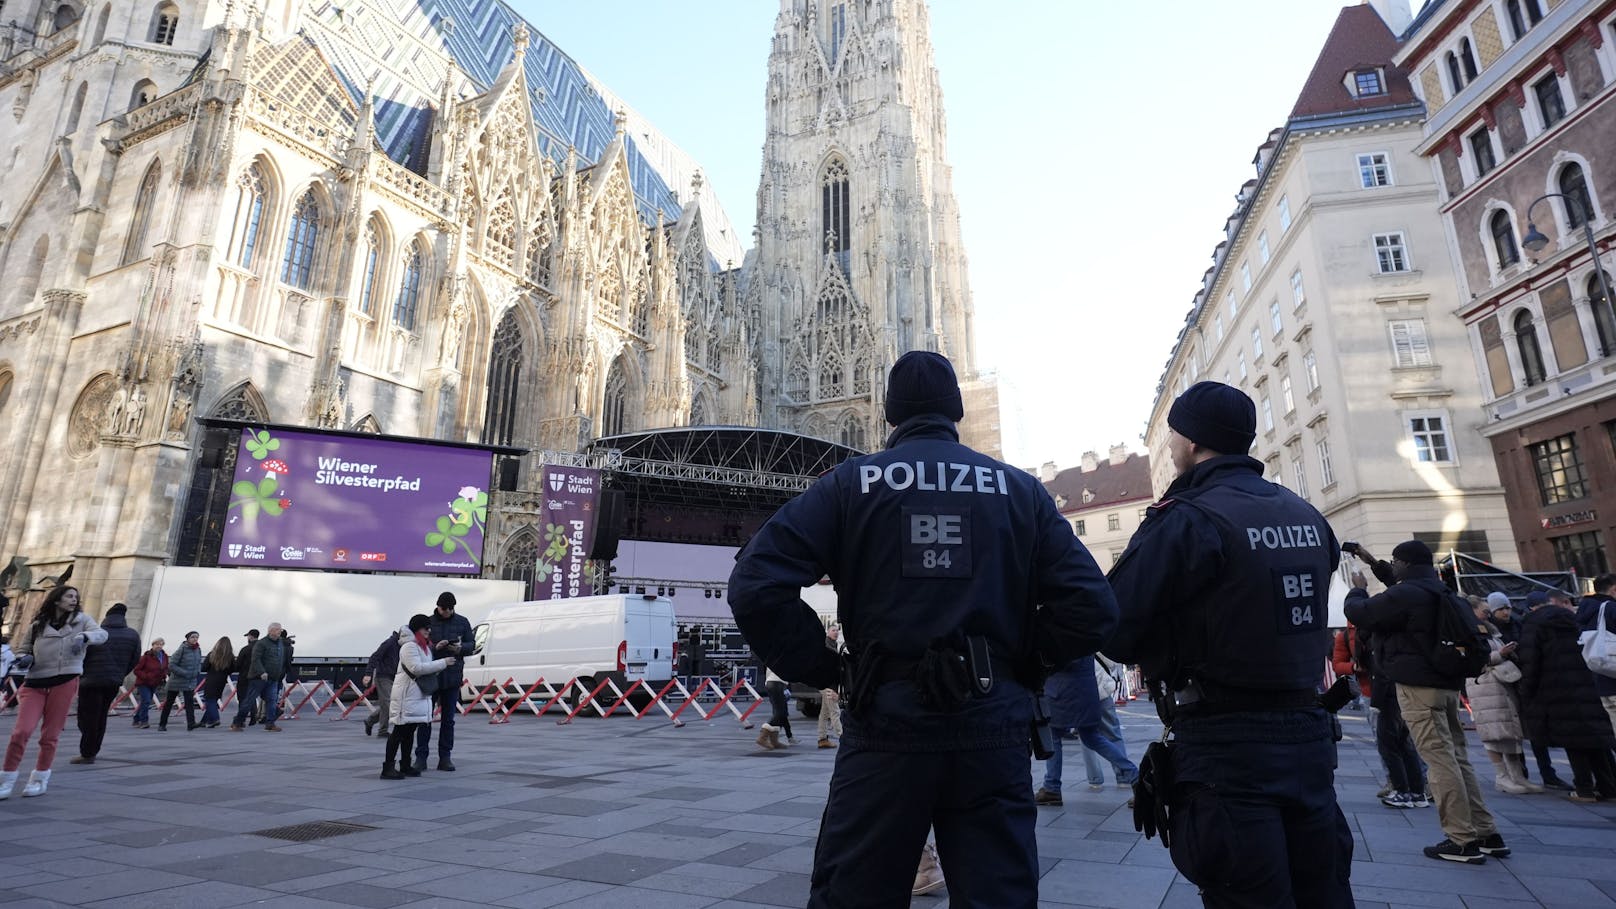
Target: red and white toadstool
x: 275, y: 466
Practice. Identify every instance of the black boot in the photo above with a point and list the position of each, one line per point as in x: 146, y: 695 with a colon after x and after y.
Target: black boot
x: 405, y: 767
x: 389, y: 772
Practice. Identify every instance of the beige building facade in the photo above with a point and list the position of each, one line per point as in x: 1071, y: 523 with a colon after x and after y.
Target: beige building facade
x: 1330, y: 302
x: 1104, y: 499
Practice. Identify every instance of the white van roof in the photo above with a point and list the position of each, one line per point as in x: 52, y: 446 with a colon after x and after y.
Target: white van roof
x: 570, y: 606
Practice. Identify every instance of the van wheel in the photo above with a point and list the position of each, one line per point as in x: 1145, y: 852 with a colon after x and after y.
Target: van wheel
x: 807, y: 708
x: 579, y: 690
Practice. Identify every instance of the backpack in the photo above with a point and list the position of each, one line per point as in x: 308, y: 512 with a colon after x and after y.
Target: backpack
x: 1460, y: 646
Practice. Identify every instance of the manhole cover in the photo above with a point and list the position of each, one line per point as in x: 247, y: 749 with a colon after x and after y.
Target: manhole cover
x: 318, y: 830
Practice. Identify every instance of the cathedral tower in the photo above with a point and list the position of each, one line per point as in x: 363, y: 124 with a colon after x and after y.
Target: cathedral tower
x: 858, y: 246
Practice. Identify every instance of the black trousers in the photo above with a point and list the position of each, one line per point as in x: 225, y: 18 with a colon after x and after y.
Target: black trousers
x: 1592, y: 771
x: 94, y: 702
x: 168, y: 706
x: 780, y: 711
x: 448, y: 701
x: 398, y: 744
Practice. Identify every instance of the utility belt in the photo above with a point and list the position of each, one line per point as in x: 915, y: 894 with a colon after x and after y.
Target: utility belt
x: 945, y: 676
x: 1204, y: 699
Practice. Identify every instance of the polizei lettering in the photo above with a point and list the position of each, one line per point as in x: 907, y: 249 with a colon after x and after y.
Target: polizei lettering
x: 934, y: 476
x: 1284, y: 536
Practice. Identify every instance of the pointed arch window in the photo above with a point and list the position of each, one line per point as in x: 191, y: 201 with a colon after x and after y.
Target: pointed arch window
x: 145, y: 92
x: 302, y: 236
x: 698, y: 411
x: 521, y: 561
x: 853, y: 432
x: 1531, y: 353
x: 835, y: 218
x: 831, y: 378
x: 1467, y: 57
x: 1604, y: 319
x: 614, y: 415
x: 1579, y: 205
x: 373, y: 257
x: 251, y: 192
x: 504, y: 382
x: 1502, y: 229
x: 165, y: 23
x: 409, y: 288
x: 134, y: 245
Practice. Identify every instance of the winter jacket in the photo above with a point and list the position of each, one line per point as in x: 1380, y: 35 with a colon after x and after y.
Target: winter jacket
x: 1558, y: 699
x: 455, y: 628
x: 409, y: 705
x: 152, y: 670
x: 1403, y: 618
x: 110, y: 663
x: 185, y: 668
x: 384, y: 662
x: 270, y: 657
x: 1344, y: 660
x: 1073, y: 695
x: 215, y: 678
x: 53, y: 649
x: 244, y: 663
x: 1588, y: 620
x: 1498, y: 722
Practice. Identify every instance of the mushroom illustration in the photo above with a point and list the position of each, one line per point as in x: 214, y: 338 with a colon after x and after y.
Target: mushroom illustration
x: 275, y: 466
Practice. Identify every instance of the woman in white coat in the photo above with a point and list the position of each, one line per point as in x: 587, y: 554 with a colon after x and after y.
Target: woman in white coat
x: 411, y: 707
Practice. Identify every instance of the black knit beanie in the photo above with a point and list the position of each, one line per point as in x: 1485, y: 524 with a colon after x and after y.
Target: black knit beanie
x: 923, y: 382
x: 1215, y: 416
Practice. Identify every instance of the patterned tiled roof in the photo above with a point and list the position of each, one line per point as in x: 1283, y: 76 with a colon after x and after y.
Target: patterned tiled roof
x: 405, y: 49
x: 1107, y: 484
x: 1359, y: 40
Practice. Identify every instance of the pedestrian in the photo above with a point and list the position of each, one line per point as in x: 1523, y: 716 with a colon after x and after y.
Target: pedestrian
x: 830, y: 705
x: 1492, y: 706
x: 451, y: 636
x: 1074, y: 709
x: 774, y: 688
x: 1124, y: 771
x: 1224, y: 592
x: 1541, y: 754
x: 1603, y: 598
x: 244, y: 673
x: 1559, y: 700
x: 267, y: 669
x: 1406, y: 786
x: 1407, y: 615
x: 380, y: 670
x: 105, y: 667
x: 52, y: 650
x: 958, y: 584
x: 221, y: 660
x: 411, y: 706
x: 151, y: 673
x: 184, y: 671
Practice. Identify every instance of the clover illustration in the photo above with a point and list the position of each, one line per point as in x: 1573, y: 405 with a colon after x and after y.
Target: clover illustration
x: 261, y: 443
x: 468, y: 512
x: 262, y: 496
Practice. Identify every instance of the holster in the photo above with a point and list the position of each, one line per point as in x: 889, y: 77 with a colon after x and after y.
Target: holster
x: 1153, y: 792
x: 1041, y: 737
x: 943, y: 677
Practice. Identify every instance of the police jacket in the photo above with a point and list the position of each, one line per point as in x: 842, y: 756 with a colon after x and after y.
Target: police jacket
x: 110, y: 663
x: 1226, y: 582
x: 1403, y: 621
x: 925, y: 541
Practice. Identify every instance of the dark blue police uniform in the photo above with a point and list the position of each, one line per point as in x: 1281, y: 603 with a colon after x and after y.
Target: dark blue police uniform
x: 927, y: 540
x: 1224, y: 592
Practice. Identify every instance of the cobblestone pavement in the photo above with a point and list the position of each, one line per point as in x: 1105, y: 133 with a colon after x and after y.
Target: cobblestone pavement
x: 619, y: 812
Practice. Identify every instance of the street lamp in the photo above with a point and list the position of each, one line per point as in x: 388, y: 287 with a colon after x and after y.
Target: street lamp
x: 1535, y: 242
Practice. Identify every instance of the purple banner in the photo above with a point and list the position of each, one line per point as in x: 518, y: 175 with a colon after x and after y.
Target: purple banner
x: 571, y: 495
x: 313, y: 500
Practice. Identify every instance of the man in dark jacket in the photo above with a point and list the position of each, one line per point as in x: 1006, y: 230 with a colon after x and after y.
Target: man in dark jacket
x: 380, y: 670
x: 1405, y: 617
x: 105, y: 668
x: 1560, y: 704
x: 266, y: 670
x: 1604, y: 597
x: 244, y: 673
x: 1405, y: 775
x: 936, y: 551
x: 451, y: 636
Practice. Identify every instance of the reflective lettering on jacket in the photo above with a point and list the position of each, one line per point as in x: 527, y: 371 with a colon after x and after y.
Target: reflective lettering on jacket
x: 933, y: 476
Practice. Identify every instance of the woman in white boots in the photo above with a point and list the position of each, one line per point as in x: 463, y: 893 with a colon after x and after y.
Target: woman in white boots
x: 52, y: 649
x: 1498, y: 720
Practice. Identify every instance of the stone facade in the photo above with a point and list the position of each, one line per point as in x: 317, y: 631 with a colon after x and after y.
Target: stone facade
x: 1103, y: 500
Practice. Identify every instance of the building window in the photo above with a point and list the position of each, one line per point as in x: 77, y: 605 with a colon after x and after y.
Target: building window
x: 1298, y: 294
x: 1284, y: 213
x: 1274, y: 317
x: 1326, y: 469
x: 1410, y: 346
x: 1579, y: 205
x: 373, y: 252
x: 1310, y: 366
x: 1262, y: 247
x: 1267, y: 414
x: 1113, y: 522
x: 1502, y: 228
x: 614, y: 414
x: 1217, y: 326
x: 134, y: 247
x: 144, y: 93
x: 1550, y: 103
x: 835, y: 217
x: 838, y: 30
x: 1604, y: 319
x: 1374, y: 170
x: 1116, y: 556
x: 1256, y: 344
x: 301, y: 239
x: 1430, y: 435
x: 1583, y: 553
x: 1285, y: 394
x: 1368, y: 82
x: 165, y: 23
x: 1391, y: 253
x: 1481, y: 151
x: 504, y: 382
x: 1242, y: 365
x: 1233, y: 306
x: 251, y: 190
x: 1080, y: 526
x: 1467, y: 59
x: 1558, y: 466
x: 1300, y: 474
x: 1245, y: 276
x: 1531, y: 353
x: 409, y: 289
x: 1523, y: 14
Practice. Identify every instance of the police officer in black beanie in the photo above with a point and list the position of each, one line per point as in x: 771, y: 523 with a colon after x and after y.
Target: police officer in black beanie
x: 956, y: 581
x: 1224, y: 592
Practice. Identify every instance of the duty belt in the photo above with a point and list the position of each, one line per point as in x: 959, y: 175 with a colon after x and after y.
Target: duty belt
x: 1243, y: 700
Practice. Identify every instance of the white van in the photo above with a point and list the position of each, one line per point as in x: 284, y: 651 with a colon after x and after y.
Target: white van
x: 628, y: 638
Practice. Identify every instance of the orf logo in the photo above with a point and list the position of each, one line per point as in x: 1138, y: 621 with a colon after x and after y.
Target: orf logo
x: 235, y: 550
x: 557, y: 480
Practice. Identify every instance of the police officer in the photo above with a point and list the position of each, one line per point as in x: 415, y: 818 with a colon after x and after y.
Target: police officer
x: 952, y: 571
x: 1224, y: 594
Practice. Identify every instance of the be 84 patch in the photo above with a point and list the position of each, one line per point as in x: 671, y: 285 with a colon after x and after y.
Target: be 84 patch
x: 937, y: 542
x: 1299, y: 600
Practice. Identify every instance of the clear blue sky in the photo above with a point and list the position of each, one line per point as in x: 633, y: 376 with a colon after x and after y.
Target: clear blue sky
x: 1096, y: 148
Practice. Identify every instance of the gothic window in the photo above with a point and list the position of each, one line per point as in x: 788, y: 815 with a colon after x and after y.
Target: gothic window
x: 165, y: 22
x: 1531, y: 353
x: 521, y: 561
x: 698, y: 411
x: 1579, y: 205
x: 838, y: 30
x: 242, y: 403
x: 100, y: 22
x: 373, y: 255
x: 145, y: 92
x: 1604, y: 319
x: 66, y: 15
x: 298, y: 266
x: 502, y: 232
x: 409, y: 288
x: 861, y: 373
x: 77, y: 110
x: 1503, y: 234
x: 831, y: 378
x: 614, y: 415
x: 134, y: 245
x: 835, y: 218
x: 694, y: 335
x: 715, y: 350
x: 853, y: 432
x: 368, y: 423
x: 504, y: 382
x: 251, y: 191
x: 641, y: 317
